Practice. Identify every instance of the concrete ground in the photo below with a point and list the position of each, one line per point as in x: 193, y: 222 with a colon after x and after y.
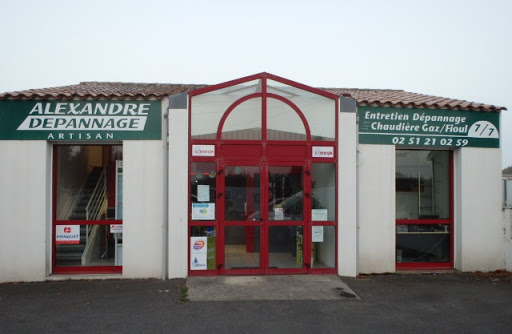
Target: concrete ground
x: 421, y: 303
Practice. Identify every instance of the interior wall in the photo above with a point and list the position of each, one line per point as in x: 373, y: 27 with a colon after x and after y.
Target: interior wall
x: 26, y: 211
x: 376, y: 168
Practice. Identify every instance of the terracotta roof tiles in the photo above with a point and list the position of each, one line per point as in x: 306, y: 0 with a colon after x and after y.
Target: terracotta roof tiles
x: 122, y: 90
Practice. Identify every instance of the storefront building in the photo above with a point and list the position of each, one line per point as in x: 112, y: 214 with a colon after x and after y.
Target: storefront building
x: 259, y: 175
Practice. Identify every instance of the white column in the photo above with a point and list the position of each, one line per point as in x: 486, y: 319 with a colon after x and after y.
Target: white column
x: 347, y: 195
x: 178, y: 193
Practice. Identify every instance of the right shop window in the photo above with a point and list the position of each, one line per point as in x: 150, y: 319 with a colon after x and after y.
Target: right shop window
x: 423, y: 208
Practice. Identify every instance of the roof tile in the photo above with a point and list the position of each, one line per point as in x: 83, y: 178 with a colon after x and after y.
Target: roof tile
x: 123, y: 90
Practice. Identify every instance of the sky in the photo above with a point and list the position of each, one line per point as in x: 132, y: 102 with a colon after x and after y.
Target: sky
x: 452, y: 48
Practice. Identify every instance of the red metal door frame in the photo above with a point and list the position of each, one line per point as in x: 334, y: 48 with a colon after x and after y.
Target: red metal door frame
x: 264, y: 223
x: 263, y: 153
x: 55, y: 222
x: 449, y: 222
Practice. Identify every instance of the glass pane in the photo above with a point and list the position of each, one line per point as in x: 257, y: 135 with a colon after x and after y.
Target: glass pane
x: 323, y: 246
x: 285, y: 199
x: 324, y: 194
x: 87, y: 245
x: 242, y: 247
x: 285, y: 246
x: 422, y: 184
x: 422, y: 243
x: 244, y: 122
x: 87, y: 179
x: 320, y: 112
x: 283, y: 123
x: 210, y: 256
x: 242, y: 197
x: 203, y: 190
x: 207, y: 109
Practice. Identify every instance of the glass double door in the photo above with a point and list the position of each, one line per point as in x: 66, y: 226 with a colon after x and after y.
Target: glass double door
x: 263, y: 221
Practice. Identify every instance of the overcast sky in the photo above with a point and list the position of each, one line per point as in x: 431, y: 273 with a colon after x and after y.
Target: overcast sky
x: 457, y: 49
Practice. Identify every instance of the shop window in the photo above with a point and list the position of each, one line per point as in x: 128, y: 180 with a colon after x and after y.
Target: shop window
x: 208, y: 108
x: 88, y: 195
x: 203, y: 255
x: 323, y: 247
x: 242, y: 185
x: 203, y: 190
x: 422, y: 185
x: 244, y: 121
x: 286, y: 197
x: 324, y: 196
x: 423, y: 202
x: 317, y: 109
x: 507, y: 192
x: 283, y: 123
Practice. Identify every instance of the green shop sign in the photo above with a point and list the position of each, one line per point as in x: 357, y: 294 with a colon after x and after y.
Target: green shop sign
x: 425, y: 127
x: 80, y: 120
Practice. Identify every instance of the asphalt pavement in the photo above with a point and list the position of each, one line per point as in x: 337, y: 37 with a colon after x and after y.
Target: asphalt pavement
x: 397, y: 303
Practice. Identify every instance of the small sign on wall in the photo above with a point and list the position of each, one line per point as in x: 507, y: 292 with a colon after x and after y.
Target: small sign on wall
x: 67, y: 234
x: 319, y: 214
x: 318, y: 234
x: 203, y: 150
x: 203, y: 211
x: 198, y: 253
x: 116, y: 228
x: 323, y: 152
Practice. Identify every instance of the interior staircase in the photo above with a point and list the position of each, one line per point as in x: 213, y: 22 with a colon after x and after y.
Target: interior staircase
x: 71, y: 254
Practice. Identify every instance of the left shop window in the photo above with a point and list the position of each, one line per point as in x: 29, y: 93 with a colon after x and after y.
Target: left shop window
x: 203, y: 178
x: 88, y: 210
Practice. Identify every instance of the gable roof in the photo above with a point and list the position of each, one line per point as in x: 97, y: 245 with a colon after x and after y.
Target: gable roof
x: 123, y: 90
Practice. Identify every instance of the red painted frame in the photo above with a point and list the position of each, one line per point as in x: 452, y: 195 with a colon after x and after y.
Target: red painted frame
x: 433, y: 265
x: 55, y: 222
x: 264, y: 161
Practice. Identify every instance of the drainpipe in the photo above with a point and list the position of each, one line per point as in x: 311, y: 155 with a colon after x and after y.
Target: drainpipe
x: 165, y: 223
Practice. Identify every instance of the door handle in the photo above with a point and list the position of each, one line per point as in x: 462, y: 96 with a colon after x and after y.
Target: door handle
x: 220, y: 195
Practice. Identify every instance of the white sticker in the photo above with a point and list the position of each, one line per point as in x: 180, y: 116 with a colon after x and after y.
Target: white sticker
x: 203, y: 211
x: 198, y: 253
x: 203, y: 150
x: 278, y: 214
x: 323, y: 152
x: 203, y: 193
x: 318, y: 234
x: 116, y: 228
x: 67, y: 234
x: 319, y: 214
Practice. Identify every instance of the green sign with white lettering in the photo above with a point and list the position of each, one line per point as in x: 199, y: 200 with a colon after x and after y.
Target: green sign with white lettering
x: 426, y: 127
x: 80, y: 120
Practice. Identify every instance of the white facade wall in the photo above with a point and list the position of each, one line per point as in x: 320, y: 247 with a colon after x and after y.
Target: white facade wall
x: 25, y: 203
x: 347, y: 198
x: 142, y: 208
x: 376, y: 174
x: 479, y: 227
x: 507, y: 221
x: 143, y: 205
x: 178, y: 193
